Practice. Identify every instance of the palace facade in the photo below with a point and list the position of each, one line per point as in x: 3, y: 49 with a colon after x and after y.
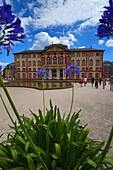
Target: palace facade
x: 56, y: 58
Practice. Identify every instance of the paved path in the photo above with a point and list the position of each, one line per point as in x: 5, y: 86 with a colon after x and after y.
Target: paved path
x: 96, y: 105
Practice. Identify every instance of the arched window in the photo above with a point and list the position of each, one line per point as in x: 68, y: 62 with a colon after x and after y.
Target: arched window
x: 97, y: 62
x: 54, y: 60
x: 18, y: 63
x: 61, y: 60
x: 34, y: 63
x: 34, y: 75
x: 83, y: 62
x: 48, y: 60
x: 23, y: 63
x: 23, y: 76
x: 78, y: 62
x: 68, y: 60
x: 91, y: 62
x: 18, y: 75
x: 42, y: 60
x: 29, y: 63
x: 30, y: 76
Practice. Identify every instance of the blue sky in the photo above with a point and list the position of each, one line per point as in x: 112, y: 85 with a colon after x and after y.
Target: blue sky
x: 70, y: 22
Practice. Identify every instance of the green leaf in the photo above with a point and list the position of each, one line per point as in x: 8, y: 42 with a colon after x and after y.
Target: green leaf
x: 58, y: 150
x: 19, y: 168
x: 14, y: 155
x: 91, y: 162
x: 31, y: 163
x: 27, y: 146
x: 21, y: 139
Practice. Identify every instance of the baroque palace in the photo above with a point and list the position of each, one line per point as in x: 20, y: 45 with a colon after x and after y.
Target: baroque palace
x: 56, y: 58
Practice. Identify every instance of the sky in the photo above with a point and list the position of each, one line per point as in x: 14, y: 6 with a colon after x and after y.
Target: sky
x: 71, y: 22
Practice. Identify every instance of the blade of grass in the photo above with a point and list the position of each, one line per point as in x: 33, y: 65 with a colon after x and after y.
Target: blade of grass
x: 106, y: 148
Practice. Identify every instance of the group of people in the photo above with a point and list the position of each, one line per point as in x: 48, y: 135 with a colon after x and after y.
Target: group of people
x: 95, y: 82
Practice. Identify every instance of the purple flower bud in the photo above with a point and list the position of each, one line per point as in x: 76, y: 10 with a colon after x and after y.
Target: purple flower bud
x: 42, y: 74
x: 105, y: 28
x: 10, y: 27
x: 72, y: 70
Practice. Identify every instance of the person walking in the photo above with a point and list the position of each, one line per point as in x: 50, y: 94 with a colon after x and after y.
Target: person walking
x: 92, y: 81
x: 111, y: 83
x: 104, y: 82
x: 96, y: 83
x: 85, y: 81
x: 100, y: 81
x: 81, y: 81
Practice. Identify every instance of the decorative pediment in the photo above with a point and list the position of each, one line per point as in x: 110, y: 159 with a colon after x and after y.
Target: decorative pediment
x: 56, y: 47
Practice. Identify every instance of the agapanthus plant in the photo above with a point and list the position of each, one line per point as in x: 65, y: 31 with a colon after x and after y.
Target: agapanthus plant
x: 71, y: 72
x: 10, y: 27
x: 105, y: 28
x: 42, y: 74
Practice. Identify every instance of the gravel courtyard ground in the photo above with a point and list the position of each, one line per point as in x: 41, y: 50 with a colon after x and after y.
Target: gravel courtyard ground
x: 96, y: 105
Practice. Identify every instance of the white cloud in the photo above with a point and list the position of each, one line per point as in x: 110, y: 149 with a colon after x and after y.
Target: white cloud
x: 101, y: 42
x: 3, y: 64
x: 82, y: 47
x: 60, y: 12
x: 109, y: 43
x: 43, y: 39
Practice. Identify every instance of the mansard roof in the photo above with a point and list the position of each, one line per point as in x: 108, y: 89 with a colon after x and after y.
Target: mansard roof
x: 65, y: 47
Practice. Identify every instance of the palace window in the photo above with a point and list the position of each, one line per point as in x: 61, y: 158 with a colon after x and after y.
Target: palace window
x: 39, y: 63
x: 48, y: 60
x: 91, y: 54
x: 42, y: 60
x: 91, y: 62
x: 61, y: 60
x: 78, y: 54
x: 18, y: 75
x: 90, y: 68
x: 18, y: 63
x: 29, y: 55
x: 97, y: 62
x: 83, y: 68
x: 34, y: 69
x: 54, y: 60
x: 68, y: 60
x: 29, y: 63
x: 54, y: 73
x: 83, y: 62
x: 97, y: 54
x: 84, y: 54
x: 34, y: 55
x: 23, y: 56
x: 78, y: 62
x: 34, y: 63
x: 34, y: 75
x: 23, y: 76
x: 23, y: 63
x: 30, y: 76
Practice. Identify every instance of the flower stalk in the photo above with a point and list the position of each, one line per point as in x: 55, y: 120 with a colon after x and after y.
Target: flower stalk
x: 71, y: 72
x: 43, y: 96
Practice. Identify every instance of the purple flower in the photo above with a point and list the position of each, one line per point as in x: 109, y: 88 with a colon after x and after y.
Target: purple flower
x: 0, y: 67
x: 105, y: 29
x: 72, y: 70
x: 42, y: 74
x: 10, y: 27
